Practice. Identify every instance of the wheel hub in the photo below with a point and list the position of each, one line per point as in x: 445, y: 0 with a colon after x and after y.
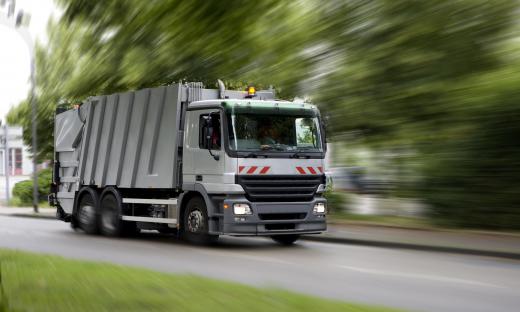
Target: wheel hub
x: 195, y: 221
x: 86, y: 214
x: 108, y: 218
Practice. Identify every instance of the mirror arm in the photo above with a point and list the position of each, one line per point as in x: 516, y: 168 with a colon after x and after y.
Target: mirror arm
x: 215, y: 156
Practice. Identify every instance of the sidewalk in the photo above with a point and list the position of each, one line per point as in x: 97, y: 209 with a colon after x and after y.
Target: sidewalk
x: 484, y: 243
x: 493, y: 244
x: 47, y: 213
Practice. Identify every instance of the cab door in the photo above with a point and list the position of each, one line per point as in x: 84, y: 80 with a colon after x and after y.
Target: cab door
x: 199, y: 165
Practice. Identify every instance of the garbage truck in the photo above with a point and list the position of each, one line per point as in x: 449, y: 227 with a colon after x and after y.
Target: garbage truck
x: 194, y: 161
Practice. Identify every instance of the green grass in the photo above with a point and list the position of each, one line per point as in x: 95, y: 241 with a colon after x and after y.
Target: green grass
x: 31, y: 282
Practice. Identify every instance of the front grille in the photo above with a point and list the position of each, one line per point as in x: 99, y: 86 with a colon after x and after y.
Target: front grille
x: 272, y: 188
x: 281, y: 216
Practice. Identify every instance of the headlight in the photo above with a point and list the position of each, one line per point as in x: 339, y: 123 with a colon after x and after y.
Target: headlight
x: 319, y: 208
x: 242, y: 209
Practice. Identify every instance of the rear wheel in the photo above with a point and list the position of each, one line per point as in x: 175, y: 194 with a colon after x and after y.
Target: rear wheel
x: 285, y: 239
x: 110, y: 218
x: 111, y: 223
x: 195, y: 223
x: 87, y: 218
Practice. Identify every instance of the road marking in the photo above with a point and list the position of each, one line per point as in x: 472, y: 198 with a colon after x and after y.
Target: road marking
x: 420, y: 276
x: 263, y: 259
x: 244, y: 256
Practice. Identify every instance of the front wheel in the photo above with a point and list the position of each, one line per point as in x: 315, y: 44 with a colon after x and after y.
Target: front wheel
x: 195, y: 223
x: 285, y: 239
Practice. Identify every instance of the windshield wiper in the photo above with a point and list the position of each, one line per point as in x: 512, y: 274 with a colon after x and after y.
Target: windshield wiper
x: 254, y: 155
x: 276, y: 147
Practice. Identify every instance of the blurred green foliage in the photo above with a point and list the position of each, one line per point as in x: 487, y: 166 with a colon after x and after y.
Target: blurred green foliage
x: 472, y: 178
x: 336, y: 202
x: 432, y: 82
x: 23, y: 190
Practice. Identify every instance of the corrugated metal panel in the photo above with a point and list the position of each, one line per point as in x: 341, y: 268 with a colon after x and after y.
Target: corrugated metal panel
x: 150, y: 134
x: 132, y: 140
x: 158, y: 151
x: 105, y: 139
x: 87, y: 111
x: 91, y: 153
x: 120, y: 135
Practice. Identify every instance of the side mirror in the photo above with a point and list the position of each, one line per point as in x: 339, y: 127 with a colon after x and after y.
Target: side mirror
x: 208, y: 134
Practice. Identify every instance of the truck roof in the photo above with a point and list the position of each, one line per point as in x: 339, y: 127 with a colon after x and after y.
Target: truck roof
x: 250, y: 102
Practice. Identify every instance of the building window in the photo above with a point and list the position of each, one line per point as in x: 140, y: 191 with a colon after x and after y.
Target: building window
x: 18, y: 161
x: 16, y: 167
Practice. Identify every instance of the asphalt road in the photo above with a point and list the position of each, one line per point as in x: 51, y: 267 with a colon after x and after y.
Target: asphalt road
x: 413, y: 280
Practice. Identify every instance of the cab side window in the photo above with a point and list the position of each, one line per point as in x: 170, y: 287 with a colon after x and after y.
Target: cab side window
x: 215, y: 135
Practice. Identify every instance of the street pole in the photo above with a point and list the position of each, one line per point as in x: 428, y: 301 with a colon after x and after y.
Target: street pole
x: 34, y: 138
x: 6, y: 164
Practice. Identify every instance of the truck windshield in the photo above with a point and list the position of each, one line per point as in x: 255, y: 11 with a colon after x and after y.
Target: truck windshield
x: 274, y: 132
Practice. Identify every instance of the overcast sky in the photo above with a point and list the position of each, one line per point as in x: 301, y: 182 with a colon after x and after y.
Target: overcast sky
x: 14, y: 54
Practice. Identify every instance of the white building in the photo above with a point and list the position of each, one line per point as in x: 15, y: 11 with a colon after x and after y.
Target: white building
x: 20, y: 163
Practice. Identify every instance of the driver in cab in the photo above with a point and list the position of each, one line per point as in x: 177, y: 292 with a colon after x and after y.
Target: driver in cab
x: 267, y: 136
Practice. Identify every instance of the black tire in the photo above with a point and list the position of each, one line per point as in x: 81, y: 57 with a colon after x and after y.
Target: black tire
x: 111, y: 207
x: 87, y: 212
x: 195, y: 223
x: 285, y: 240
x: 74, y: 223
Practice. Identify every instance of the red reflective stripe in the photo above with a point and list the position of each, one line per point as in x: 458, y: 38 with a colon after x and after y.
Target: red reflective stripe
x: 300, y: 170
x: 240, y: 168
x: 264, y: 170
x: 320, y: 169
x: 311, y: 170
x: 252, y: 169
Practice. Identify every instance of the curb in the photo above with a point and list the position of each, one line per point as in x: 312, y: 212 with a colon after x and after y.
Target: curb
x: 411, y: 246
x: 33, y: 216
x: 426, y: 228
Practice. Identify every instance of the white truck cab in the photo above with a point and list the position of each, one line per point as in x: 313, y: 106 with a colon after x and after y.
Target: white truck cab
x: 267, y: 157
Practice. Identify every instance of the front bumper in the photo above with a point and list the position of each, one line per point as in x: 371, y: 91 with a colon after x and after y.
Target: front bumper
x: 273, y: 218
